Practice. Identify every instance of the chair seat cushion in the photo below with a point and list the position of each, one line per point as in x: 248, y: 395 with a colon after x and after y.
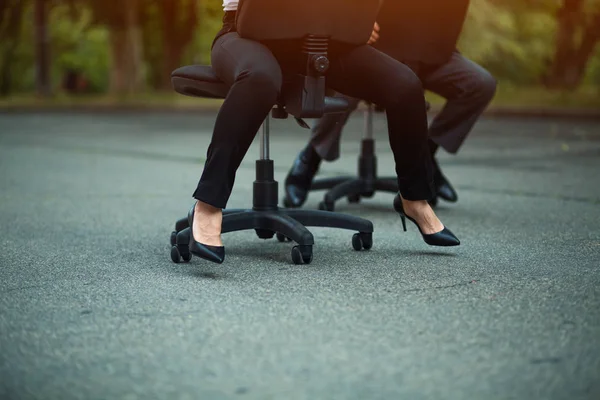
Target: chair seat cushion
x: 198, y: 81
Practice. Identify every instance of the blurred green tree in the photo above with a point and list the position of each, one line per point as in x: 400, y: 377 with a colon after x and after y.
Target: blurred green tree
x: 573, y: 33
x: 179, y: 21
x: 577, y: 36
x: 126, y: 46
x: 79, y: 47
x: 122, y: 17
x: 11, y: 19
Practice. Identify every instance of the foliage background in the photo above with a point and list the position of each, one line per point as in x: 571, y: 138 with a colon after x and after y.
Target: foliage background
x: 517, y: 40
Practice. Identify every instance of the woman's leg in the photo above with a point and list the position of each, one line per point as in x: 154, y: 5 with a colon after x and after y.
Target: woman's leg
x: 368, y: 74
x: 255, y: 79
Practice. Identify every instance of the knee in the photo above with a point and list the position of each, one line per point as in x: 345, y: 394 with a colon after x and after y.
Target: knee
x: 406, y: 89
x: 412, y: 87
x: 265, y: 84
x: 483, y: 86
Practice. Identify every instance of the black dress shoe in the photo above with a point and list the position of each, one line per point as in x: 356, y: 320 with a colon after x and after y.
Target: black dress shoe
x: 442, y: 238
x: 215, y: 254
x: 299, y: 179
x: 443, y: 188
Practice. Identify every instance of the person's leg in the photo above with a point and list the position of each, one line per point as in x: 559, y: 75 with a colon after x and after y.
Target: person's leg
x: 368, y: 74
x: 468, y: 89
x: 254, y: 76
x: 443, y: 187
x: 325, y: 138
x: 324, y: 144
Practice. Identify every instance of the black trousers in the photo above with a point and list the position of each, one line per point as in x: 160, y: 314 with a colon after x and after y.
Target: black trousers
x: 255, y: 77
x: 467, y: 87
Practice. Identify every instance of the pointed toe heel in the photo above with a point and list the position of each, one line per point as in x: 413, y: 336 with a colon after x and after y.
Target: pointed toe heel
x: 214, y: 254
x: 443, y: 238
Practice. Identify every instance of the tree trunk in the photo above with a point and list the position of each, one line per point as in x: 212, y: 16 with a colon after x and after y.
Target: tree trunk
x: 171, y: 52
x: 42, y: 48
x: 118, y: 68
x: 126, y: 75
x: 135, y: 47
x: 10, y: 39
x: 591, y: 37
x: 571, y: 58
x: 179, y: 21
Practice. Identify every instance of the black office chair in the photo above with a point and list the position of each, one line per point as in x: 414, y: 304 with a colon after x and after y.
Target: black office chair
x: 367, y: 182
x: 303, y: 96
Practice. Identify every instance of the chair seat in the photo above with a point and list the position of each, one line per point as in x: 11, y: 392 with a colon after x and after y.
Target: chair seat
x: 198, y: 81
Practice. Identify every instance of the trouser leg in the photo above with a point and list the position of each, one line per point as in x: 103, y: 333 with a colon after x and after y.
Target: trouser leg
x: 254, y: 76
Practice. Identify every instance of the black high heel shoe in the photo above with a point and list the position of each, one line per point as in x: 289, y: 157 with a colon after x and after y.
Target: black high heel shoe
x: 443, y: 188
x: 300, y: 177
x: 215, y: 254
x: 442, y: 238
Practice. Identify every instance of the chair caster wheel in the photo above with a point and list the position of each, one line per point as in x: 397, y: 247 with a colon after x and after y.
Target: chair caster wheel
x: 175, y: 256
x: 186, y: 256
x: 302, y: 254
x: 354, y: 198
x: 178, y: 255
x: 326, y: 206
x: 173, y: 238
x: 362, y: 240
x: 282, y: 238
x: 367, y: 240
x: 264, y: 233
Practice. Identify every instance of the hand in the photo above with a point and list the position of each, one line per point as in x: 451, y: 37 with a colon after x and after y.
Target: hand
x: 375, y: 34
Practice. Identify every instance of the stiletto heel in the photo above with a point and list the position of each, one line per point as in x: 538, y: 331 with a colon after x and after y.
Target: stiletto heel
x: 215, y: 254
x: 443, y: 238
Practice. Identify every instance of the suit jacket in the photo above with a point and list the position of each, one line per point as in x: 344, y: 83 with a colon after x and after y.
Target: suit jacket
x: 421, y: 31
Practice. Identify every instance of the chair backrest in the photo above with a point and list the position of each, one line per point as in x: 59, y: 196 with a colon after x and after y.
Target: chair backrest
x: 421, y: 31
x: 316, y: 23
x: 346, y: 21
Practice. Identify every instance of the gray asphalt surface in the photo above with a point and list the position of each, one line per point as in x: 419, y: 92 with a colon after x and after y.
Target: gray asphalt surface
x: 91, y: 307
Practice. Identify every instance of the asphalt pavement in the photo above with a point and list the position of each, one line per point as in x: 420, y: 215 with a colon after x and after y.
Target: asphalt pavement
x: 91, y: 306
